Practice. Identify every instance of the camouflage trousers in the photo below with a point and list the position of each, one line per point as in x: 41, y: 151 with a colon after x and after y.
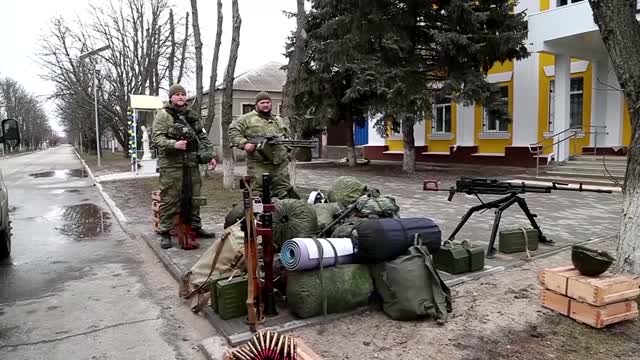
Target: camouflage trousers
x: 281, y: 187
x: 170, y: 190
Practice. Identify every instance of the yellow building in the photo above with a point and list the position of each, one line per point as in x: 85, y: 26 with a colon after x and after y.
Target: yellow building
x: 563, y: 100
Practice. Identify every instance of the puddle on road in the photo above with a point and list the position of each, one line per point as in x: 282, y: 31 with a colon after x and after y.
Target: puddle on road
x: 62, y: 191
x: 82, y: 221
x: 60, y: 174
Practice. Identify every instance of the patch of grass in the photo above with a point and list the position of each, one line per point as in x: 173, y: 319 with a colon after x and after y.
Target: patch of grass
x: 108, y: 159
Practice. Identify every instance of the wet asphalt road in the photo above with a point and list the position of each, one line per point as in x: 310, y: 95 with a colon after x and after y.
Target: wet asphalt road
x: 76, y: 286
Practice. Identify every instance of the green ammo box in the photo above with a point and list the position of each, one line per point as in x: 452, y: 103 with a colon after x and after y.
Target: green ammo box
x: 453, y: 259
x: 229, y: 298
x: 458, y: 258
x: 512, y: 241
x: 476, y: 257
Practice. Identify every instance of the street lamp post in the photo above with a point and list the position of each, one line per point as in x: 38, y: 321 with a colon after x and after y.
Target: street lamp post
x: 95, y: 94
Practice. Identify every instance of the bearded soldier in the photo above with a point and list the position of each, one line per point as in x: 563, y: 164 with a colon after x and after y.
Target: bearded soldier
x: 273, y: 159
x: 181, y: 142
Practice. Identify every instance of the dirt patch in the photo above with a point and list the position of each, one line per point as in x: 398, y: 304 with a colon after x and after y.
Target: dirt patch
x: 495, y: 317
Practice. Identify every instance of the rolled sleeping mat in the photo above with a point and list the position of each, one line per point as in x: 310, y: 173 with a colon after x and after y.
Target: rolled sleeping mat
x: 304, y: 253
x: 378, y: 240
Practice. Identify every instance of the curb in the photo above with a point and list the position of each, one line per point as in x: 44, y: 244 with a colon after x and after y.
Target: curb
x: 110, y: 203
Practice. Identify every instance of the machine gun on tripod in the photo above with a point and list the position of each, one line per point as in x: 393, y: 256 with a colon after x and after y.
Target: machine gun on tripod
x: 511, y: 192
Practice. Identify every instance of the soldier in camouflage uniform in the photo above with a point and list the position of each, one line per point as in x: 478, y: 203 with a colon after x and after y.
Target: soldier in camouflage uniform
x: 181, y: 142
x: 260, y: 123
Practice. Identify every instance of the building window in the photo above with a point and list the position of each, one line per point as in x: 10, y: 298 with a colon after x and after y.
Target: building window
x: 576, y: 101
x: 247, y: 108
x: 566, y: 2
x: 494, y: 123
x: 441, y: 116
x: 279, y: 109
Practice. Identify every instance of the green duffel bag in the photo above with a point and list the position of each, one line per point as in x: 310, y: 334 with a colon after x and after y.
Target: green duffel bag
x: 411, y: 288
x: 329, y: 290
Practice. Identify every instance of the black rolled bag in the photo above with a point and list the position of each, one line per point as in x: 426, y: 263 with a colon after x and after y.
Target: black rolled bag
x: 378, y: 240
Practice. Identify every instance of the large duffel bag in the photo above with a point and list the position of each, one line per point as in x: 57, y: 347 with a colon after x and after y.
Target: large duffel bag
x: 377, y: 240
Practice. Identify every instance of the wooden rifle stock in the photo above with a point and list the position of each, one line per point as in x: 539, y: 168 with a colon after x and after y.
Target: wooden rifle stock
x: 254, y: 315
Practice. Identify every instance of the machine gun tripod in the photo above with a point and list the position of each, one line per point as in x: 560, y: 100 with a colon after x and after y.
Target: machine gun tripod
x: 483, y: 186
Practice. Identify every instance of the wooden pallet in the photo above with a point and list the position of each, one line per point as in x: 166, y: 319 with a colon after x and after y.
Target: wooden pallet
x: 596, y: 301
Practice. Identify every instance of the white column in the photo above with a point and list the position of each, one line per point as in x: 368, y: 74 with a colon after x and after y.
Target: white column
x: 419, y: 133
x: 374, y: 138
x: 561, y: 114
x: 613, y: 119
x: 599, y: 102
x: 525, y: 100
x: 465, y: 125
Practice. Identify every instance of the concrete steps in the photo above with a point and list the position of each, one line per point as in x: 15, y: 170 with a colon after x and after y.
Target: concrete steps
x: 588, y: 170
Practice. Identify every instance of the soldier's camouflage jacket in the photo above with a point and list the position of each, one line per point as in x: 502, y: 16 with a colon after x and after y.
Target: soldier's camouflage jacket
x: 171, y: 125
x: 254, y: 124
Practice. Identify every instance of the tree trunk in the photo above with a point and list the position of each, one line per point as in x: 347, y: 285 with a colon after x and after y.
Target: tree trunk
x: 621, y: 36
x: 172, y: 52
x: 409, y: 146
x: 351, y: 147
x: 227, y: 99
x: 198, y: 43
x: 183, y: 56
x: 211, y: 104
x: 289, y: 90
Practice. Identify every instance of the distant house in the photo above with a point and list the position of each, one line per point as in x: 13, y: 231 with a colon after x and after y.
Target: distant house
x: 268, y: 77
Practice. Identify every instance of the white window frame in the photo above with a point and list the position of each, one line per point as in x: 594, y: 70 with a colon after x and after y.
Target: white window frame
x: 486, y: 120
x: 569, y: 2
x: 577, y: 92
x: 440, y: 109
x: 552, y: 89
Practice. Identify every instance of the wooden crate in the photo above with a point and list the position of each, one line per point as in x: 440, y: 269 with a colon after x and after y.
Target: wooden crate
x: 604, y: 289
x: 555, y: 301
x: 601, y: 316
x: 595, y: 316
x: 556, y: 279
x: 601, y: 290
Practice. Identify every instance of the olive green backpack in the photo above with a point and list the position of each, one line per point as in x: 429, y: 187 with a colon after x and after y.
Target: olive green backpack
x: 410, y: 286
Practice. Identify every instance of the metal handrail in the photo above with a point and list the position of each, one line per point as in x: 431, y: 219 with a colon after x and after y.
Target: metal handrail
x: 540, y: 149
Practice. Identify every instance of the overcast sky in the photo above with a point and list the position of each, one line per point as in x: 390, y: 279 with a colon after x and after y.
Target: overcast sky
x: 262, y: 38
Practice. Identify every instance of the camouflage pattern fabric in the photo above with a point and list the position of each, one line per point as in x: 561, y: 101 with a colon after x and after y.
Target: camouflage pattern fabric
x: 170, y: 189
x: 170, y: 125
x: 252, y: 125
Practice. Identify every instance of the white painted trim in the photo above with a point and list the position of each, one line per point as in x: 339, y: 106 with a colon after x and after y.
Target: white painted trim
x: 500, y: 77
x: 576, y: 67
x: 441, y: 136
x: 494, y: 135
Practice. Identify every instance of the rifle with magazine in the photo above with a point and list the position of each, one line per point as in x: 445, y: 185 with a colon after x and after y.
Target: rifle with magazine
x: 264, y: 144
x: 511, y: 191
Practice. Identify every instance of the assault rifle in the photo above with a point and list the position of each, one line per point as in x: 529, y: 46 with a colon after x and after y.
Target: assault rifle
x: 511, y: 192
x: 264, y: 144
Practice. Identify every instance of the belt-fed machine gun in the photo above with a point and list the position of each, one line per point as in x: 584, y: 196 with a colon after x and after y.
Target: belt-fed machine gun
x: 511, y: 190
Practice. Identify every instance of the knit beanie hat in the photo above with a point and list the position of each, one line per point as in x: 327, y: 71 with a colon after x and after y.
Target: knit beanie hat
x: 263, y: 95
x: 176, y: 88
